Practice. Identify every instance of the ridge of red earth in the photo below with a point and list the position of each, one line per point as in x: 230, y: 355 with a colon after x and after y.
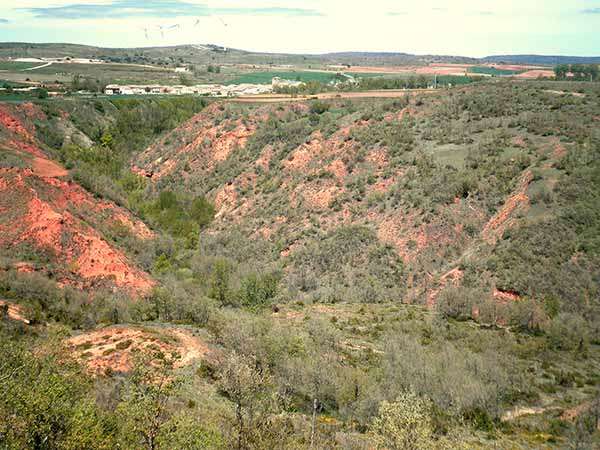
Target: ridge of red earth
x: 505, y: 217
x: 42, y: 214
x: 199, y: 141
x: 312, y: 176
x: 59, y: 217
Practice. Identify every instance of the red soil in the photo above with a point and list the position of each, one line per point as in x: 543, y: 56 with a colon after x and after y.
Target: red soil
x: 210, y: 144
x: 518, y: 141
x: 43, y: 167
x: 320, y: 197
x: 533, y: 74
x: 559, y: 151
x: 300, y: 158
x: 453, y: 277
x: 98, y: 259
x: 572, y: 414
x: 265, y: 158
x: 27, y: 148
x: 46, y: 215
x: 505, y: 297
x: 505, y: 218
x: 24, y: 267
x: 13, y: 124
x: 225, y: 199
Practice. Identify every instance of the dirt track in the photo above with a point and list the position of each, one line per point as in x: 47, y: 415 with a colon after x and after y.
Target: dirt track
x: 276, y: 98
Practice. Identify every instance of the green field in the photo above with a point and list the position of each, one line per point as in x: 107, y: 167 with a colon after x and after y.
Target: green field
x: 266, y: 77
x: 10, y: 65
x: 483, y: 70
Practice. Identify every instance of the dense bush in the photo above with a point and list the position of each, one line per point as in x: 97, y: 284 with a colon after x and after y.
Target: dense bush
x: 348, y: 264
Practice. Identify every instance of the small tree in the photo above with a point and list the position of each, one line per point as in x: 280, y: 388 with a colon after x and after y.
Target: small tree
x: 202, y: 211
x: 404, y: 424
x: 145, y: 410
x: 219, y: 282
x: 246, y: 385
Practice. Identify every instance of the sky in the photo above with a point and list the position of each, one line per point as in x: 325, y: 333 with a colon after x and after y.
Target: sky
x: 453, y: 27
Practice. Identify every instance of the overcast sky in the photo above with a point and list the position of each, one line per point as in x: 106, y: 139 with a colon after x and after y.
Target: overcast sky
x: 457, y: 27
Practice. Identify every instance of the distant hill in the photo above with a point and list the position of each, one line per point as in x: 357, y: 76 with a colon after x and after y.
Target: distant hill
x: 544, y: 60
x: 208, y: 53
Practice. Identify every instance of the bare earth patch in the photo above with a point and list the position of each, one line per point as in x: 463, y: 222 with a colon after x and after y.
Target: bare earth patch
x: 15, y: 312
x: 113, y: 349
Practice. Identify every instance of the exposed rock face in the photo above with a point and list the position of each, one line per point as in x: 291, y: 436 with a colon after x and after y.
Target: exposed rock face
x: 47, y: 214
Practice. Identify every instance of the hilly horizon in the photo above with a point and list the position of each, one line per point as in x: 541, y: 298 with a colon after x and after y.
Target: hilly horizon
x: 66, y: 49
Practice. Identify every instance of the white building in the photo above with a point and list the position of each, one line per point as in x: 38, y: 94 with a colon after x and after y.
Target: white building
x: 277, y: 82
x: 215, y: 90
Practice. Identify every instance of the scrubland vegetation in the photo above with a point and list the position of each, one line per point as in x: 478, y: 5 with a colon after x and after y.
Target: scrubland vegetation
x: 457, y: 306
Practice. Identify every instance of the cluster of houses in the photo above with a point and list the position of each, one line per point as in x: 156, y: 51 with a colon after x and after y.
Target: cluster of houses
x: 213, y: 90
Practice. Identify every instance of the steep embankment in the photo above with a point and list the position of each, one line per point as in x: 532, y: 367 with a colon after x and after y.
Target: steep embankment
x: 427, y: 178
x: 52, y: 224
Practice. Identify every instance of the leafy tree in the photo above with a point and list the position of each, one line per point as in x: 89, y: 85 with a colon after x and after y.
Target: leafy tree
x: 219, y: 282
x: 167, y: 200
x: 202, y: 211
x: 42, y: 93
x: 259, y: 290
x: 319, y: 107
x: 46, y: 401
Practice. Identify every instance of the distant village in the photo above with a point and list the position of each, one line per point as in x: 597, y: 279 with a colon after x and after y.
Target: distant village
x: 212, y: 90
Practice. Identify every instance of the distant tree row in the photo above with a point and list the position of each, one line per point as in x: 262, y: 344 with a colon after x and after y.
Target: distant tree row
x: 584, y: 72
